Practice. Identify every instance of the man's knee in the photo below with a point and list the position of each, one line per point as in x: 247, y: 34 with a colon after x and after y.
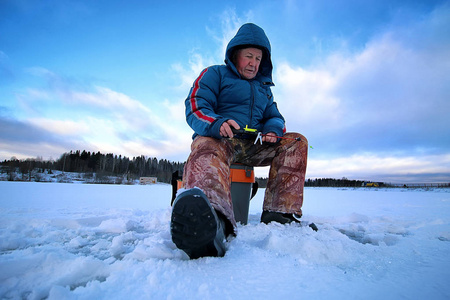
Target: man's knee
x: 203, y: 141
x: 298, y: 140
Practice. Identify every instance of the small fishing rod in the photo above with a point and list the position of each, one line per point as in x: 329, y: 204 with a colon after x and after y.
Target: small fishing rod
x: 259, y: 134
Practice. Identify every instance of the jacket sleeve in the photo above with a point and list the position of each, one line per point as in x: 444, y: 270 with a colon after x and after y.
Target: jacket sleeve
x: 201, y: 104
x: 274, y: 121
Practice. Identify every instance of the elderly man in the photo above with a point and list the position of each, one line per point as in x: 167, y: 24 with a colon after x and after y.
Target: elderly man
x: 222, y: 100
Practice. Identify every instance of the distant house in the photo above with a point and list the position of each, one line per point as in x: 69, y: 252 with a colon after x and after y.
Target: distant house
x: 370, y: 184
x: 148, y: 180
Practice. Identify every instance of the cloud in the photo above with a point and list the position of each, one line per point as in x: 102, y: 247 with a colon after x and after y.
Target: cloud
x: 221, y: 33
x: 72, y: 97
x: 229, y: 23
x: 186, y: 74
x: 391, y: 97
x: 60, y: 127
x: 76, y: 92
x: 307, y: 95
x: 13, y: 130
x: 82, y: 115
x: 24, y: 139
x: 369, y: 166
x: 106, y: 98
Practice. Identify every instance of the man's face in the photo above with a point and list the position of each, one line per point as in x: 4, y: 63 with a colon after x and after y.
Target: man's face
x: 247, y: 62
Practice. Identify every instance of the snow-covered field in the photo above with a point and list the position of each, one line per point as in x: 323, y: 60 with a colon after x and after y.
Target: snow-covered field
x: 85, y: 241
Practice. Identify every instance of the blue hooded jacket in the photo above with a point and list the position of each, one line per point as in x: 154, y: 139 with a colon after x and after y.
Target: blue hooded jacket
x: 220, y: 93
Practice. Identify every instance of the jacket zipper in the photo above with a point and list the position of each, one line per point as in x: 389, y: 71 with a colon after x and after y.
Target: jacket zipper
x: 252, y: 103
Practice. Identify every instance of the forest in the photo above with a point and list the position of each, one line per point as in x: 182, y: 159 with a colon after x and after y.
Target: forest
x: 100, y: 164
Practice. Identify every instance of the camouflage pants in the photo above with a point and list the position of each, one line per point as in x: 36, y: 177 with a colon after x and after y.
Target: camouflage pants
x: 208, y: 168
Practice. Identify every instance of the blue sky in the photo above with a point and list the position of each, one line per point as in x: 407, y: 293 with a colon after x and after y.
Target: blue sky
x: 367, y: 82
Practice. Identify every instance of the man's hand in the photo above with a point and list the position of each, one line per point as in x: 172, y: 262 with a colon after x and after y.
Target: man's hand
x: 225, y: 129
x: 270, y: 137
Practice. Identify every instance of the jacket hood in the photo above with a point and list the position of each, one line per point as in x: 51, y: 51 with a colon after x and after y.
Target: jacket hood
x: 251, y: 35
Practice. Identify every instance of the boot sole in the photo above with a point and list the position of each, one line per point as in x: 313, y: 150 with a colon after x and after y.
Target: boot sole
x: 194, y: 226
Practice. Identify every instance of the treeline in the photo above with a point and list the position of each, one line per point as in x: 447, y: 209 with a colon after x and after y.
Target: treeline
x: 98, y: 163
x: 326, y: 182
x: 331, y: 182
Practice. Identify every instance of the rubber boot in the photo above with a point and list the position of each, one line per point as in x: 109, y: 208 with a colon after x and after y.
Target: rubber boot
x: 283, y: 218
x: 195, y: 226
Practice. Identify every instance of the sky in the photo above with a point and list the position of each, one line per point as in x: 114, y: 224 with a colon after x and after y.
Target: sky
x: 367, y: 82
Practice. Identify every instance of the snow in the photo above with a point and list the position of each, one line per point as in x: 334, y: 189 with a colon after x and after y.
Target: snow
x: 88, y: 241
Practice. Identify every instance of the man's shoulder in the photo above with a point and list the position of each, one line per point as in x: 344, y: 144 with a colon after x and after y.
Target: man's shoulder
x: 217, y: 71
x: 218, y: 68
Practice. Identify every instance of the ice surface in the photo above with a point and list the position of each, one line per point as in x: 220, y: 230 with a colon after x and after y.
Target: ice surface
x: 86, y: 241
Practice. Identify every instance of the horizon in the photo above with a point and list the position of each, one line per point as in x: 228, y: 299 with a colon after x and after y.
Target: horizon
x: 262, y: 175
x: 366, y: 83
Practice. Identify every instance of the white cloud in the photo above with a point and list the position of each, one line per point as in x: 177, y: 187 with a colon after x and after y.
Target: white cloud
x: 187, y: 74
x: 306, y: 96
x: 370, y: 166
x: 107, y: 98
x: 61, y: 127
x: 229, y: 24
x: 100, y: 119
x: 389, y: 91
x: 24, y: 150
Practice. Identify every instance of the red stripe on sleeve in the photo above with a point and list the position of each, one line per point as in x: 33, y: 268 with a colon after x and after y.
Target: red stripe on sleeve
x: 193, y: 100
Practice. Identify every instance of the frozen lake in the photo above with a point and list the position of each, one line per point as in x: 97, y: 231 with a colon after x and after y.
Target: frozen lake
x: 83, y: 241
